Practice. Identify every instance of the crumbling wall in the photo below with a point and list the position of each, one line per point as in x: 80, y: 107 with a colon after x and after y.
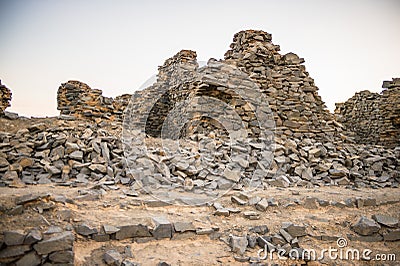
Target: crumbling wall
x: 310, y: 146
x: 5, y: 98
x: 373, y: 118
x: 292, y: 94
x: 77, y: 99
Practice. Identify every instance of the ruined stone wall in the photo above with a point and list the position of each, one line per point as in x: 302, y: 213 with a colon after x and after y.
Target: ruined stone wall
x: 373, y: 118
x: 309, y: 147
x: 292, y: 94
x: 37, y: 247
x: 5, y: 98
x: 77, y: 99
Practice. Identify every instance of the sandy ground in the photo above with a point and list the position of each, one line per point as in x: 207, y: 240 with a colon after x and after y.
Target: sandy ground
x: 64, y: 208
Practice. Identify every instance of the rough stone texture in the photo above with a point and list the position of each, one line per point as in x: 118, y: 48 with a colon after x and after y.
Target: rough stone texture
x: 12, y: 238
x: 32, y: 250
x: 162, y: 228
x: 64, y: 256
x: 373, y: 118
x: 386, y: 220
x: 5, y: 98
x: 291, y: 92
x: 294, y: 230
x: 365, y: 226
x: 62, y: 241
x: 112, y: 257
x: 309, y: 147
x: 85, y: 230
x: 129, y: 231
x: 182, y: 227
x: 239, y: 244
x: 392, y: 235
x: 32, y: 237
x: 77, y: 99
x: 14, y: 251
x: 30, y: 259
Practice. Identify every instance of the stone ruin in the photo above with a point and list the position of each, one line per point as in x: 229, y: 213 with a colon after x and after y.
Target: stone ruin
x: 5, y: 98
x: 303, y: 144
x: 77, y: 99
x: 282, y: 135
x: 373, y: 118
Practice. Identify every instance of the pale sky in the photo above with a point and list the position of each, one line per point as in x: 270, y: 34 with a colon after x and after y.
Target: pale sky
x: 115, y: 46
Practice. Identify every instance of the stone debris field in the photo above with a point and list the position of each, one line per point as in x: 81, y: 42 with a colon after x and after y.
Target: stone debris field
x: 237, y: 162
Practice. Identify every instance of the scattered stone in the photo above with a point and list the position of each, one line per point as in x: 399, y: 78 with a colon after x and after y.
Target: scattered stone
x: 204, y: 231
x: 112, y: 257
x: 294, y: 230
x: 262, y: 205
x: 392, y: 235
x: 251, y: 215
x: 182, y: 227
x: 369, y: 202
x: 386, y: 220
x: 259, y: 229
x: 62, y: 241
x: 30, y: 197
x: 85, y: 230
x: 365, y: 226
x: 310, y: 203
x: 109, y: 229
x: 369, y: 238
x: 130, y: 231
x: 239, y: 244
x: 162, y: 228
x: 238, y: 200
x: 232, y: 175
x: 222, y: 212
x: 286, y: 235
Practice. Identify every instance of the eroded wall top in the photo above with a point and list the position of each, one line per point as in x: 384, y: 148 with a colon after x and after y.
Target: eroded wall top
x: 373, y: 118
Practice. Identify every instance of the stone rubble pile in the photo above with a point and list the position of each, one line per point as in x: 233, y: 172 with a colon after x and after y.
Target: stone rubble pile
x: 254, y: 119
x: 78, y: 100
x: 314, y: 152
x: 380, y: 228
x: 371, y: 117
x: 42, y: 154
x: 5, y: 98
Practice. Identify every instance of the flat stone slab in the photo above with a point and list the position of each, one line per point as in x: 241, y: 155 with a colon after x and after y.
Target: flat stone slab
x: 109, y: 229
x: 62, y: 241
x: 366, y: 226
x: 12, y: 238
x: 386, y: 220
x: 30, y: 197
x: 182, y: 227
x: 130, y: 231
x: 14, y: 251
x: 392, y: 235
